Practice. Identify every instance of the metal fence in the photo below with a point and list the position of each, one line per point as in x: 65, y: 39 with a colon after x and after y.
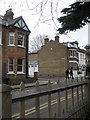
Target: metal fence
x: 66, y: 100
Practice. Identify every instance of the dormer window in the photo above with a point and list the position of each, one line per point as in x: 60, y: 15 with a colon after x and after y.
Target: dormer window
x: 11, y: 38
x: 20, y: 40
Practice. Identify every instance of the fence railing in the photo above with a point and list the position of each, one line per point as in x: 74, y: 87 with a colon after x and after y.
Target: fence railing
x: 67, y: 100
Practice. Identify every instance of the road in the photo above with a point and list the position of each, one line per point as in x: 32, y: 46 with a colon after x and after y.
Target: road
x: 65, y: 103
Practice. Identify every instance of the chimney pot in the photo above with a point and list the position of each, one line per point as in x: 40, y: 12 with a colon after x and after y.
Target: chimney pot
x: 46, y: 39
x: 57, y: 38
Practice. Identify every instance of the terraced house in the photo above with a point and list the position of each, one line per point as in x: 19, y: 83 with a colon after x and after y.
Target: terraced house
x: 14, y: 45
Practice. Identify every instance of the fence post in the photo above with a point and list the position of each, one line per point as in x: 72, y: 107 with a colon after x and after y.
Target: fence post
x: 66, y: 96
x: 77, y: 97
x: 72, y: 93
x: 58, y: 82
x: 22, y: 86
x: 35, y: 76
x: 66, y: 82
x: 49, y: 102
x: 58, y: 101
x: 49, y: 106
x: 71, y: 81
x: 22, y: 109
x: 37, y: 106
x: 49, y: 83
x: 82, y: 93
x: 5, y: 101
x: 37, y: 84
x: 77, y: 79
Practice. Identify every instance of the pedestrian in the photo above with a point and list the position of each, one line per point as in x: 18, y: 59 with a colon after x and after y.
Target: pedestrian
x: 67, y: 74
x: 71, y: 73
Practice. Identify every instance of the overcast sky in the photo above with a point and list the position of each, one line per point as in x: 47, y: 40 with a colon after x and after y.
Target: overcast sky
x: 20, y: 8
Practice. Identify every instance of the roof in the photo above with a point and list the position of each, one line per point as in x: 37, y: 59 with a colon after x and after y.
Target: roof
x: 14, y: 20
x: 71, y: 44
x: 17, y: 22
x: 34, y: 52
x: 81, y: 50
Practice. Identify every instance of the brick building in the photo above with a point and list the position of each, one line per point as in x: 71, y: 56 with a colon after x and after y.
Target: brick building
x: 73, y: 57
x: 82, y: 62
x: 14, y: 46
x: 54, y: 58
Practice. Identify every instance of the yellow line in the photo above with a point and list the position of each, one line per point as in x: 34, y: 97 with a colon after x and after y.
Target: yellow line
x: 43, y: 106
x: 33, y: 109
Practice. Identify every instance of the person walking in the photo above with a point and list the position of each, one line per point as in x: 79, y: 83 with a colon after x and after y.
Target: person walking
x: 71, y: 72
x: 67, y: 74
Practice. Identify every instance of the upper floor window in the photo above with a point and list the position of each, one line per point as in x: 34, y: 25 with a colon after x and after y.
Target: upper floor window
x: 20, y: 67
x: 10, y: 65
x: 20, y: 39
x: 71, y: 53
x: 75, y: 54
x: 81, y: 57
x: 11, y: 38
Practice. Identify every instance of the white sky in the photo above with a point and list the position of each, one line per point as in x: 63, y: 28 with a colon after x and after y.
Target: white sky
x: 18, y: 7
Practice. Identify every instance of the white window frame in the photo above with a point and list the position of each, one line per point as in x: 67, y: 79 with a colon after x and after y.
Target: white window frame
x: 20, y: 34
x: 18, y: 72
x: 13, y: 35
x: 9, y: 65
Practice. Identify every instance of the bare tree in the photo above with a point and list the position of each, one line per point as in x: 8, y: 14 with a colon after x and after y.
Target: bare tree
x: 47, y: 10
x: 37, y: 42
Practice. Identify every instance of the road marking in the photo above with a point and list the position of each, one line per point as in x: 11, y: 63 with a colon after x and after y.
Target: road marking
x: 43, y: 106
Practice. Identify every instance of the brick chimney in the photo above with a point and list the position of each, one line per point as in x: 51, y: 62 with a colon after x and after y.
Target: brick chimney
x: 46, y: 39
x: 9, y: 15
x: 57, y: 38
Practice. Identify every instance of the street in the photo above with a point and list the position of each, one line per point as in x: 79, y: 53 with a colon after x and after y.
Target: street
x: 65, y: 102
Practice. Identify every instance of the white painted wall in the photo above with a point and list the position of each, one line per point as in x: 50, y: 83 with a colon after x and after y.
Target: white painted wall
x: 82, y: 63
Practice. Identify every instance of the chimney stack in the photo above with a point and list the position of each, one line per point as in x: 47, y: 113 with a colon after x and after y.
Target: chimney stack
x: 46, y: 39
x: 9, y: 15
x: 57, y: 38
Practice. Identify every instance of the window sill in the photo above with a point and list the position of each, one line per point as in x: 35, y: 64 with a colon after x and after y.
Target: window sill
x: 21, y: 46
x: 20, y: 73
x: 12, y: 73
x: 11, y: 45
x: 73, y: 57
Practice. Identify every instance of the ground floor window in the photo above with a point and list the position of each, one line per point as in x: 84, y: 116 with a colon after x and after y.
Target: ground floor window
x: 10, y: 65
x: 74, y: 66
x: 20, y: 65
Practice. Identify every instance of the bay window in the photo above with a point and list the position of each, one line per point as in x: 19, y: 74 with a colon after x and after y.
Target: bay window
x: 11, y: 38
x: 20, y: 40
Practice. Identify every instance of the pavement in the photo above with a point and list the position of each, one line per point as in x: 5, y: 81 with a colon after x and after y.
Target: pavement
x: 42, y: 81
x: 29, y: 85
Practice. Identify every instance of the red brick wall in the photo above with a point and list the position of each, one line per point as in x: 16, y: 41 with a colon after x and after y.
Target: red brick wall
x: 13, y: 52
